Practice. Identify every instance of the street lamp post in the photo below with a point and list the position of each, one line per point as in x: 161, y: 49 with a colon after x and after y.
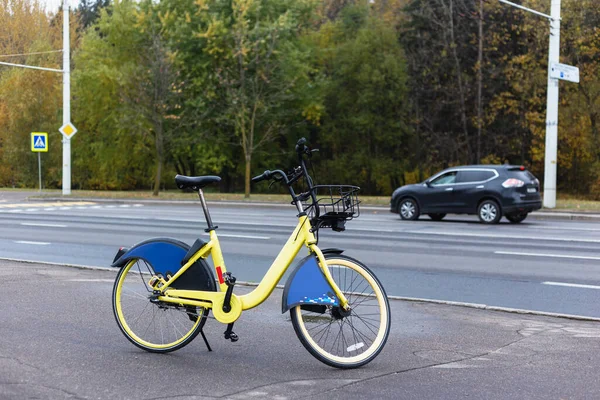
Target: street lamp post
x: 552, y: 110
x: 550, y: 158
x: 66, y: 189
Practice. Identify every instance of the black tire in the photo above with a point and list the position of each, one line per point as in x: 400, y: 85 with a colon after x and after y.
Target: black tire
x: 516, y: 218
x: 437, y: 217
x: 362, y: 334
x: 173, y: 325
x: 408, y: 209
x: 489, y: 212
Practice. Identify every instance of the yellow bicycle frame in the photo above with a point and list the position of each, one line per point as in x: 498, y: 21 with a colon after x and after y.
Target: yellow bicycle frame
x: 302, y: 236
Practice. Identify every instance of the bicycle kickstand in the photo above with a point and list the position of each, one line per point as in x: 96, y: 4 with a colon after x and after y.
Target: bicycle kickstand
x: 205, y: 340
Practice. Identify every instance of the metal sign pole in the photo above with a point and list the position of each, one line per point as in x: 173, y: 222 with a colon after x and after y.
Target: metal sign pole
x: 40, y: 170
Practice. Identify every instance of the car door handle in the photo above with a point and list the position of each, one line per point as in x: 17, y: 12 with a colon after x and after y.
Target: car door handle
x: 449, y: 189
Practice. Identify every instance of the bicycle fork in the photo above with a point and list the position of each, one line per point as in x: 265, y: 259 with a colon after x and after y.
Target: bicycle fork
x: 323, y: 265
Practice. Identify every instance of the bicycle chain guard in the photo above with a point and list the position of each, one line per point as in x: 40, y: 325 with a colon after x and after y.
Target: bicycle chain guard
x: 227, y: 317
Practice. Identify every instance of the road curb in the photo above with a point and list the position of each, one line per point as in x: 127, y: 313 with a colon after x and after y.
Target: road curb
x: 399, y: 298
x: 496, y: 308
x: 58, y: 264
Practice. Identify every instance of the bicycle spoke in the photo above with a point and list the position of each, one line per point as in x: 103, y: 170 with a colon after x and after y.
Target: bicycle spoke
x: 149, y: 323
x: 349, y: 340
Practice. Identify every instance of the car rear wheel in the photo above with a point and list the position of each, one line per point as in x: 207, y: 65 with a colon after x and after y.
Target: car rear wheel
x: 437, y: 217
x: 516, y: 218
x: 408, y: 209
x: 489, y: 212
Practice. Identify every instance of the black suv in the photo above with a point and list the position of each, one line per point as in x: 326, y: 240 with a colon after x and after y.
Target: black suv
x: 490, y: 191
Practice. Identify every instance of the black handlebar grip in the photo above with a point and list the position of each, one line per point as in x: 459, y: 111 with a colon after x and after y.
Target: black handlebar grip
x: 262, y: 177
x: 301, y: 146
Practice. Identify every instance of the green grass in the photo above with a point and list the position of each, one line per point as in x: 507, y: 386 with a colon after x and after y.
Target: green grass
x: 567, y: 203
x: 577, y: 205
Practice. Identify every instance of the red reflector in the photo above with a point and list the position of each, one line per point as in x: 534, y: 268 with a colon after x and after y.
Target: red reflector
x: 220, y: 273
x: 522, y: 168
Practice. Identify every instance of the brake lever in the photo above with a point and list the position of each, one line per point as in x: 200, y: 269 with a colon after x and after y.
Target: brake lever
x: 275, y: 180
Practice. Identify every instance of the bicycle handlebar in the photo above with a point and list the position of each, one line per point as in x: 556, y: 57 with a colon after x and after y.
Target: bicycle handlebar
x: 271, y: 175
x: 302, y: 148
x: 265, y: 175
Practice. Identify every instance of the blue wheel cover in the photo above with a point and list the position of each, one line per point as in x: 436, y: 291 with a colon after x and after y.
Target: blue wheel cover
x: 307, y: 285
x: 162, y: 256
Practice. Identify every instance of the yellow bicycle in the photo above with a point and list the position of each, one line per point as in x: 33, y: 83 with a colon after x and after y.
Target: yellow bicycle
x: 165, y: 289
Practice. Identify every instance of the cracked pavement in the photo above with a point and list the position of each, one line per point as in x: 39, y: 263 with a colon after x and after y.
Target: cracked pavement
x: 59, y: 340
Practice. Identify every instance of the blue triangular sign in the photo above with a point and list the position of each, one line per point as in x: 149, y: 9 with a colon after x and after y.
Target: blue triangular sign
x: 39, y: 143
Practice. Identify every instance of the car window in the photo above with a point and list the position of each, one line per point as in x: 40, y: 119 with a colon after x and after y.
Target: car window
x: 474, y: 176
x: 445, y: 179
x: 522, y: 175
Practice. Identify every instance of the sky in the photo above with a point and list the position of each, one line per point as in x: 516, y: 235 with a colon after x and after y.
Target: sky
x: 52, y: 5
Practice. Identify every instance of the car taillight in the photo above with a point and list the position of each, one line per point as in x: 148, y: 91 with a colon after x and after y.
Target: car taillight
x: 512, y: 182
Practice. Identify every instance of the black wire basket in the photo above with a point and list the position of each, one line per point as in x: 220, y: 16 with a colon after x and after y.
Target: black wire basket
x: 335, y: 204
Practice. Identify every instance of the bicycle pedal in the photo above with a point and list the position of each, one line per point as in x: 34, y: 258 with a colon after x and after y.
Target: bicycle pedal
x: 232, y: 336
x: 229, y: 279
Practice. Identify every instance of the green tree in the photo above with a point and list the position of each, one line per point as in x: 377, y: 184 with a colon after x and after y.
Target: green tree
x: 365, y: 134
x: 255, y: 66
x: 125, y: 84
x: 29, y: 99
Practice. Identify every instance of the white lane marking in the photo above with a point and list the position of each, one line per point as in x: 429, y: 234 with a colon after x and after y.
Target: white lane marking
x: 565, y: 228
x: 110, y: 206
x: 28, y: 242
x: 241, y: 236
x: 31, y: 209
x: 575, y: 285
x: 50, y: 209
x: 138, y: 205
x: 483, y: 235
x: 48, y: 225
x: 124, y: 206
x: 65, y: 208
x: 268, y: 225
x: 515, y: 253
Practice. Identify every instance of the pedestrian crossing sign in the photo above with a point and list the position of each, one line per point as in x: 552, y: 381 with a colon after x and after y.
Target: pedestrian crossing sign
x: 39, y: 142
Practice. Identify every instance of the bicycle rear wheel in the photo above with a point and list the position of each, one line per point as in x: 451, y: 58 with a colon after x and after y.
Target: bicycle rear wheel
x: 346, y: 339
x: 150, y: 324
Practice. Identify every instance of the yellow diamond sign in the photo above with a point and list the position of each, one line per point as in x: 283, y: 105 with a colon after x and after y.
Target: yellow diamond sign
x: 68, y: 130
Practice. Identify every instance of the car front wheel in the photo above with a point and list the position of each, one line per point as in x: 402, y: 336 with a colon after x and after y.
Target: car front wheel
x: 489, y: 212
x: 408, y: 210
x: 516, y: 218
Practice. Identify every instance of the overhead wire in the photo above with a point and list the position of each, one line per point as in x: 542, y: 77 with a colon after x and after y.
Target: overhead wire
x: 29, y: 54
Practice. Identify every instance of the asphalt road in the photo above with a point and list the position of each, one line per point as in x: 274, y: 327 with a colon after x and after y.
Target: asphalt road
x: 59, y: 340
x: 544, y: 265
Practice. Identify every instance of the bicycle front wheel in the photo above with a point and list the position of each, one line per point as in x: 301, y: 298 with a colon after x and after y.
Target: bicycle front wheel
x: 346, y: 339
x: 150, y: 324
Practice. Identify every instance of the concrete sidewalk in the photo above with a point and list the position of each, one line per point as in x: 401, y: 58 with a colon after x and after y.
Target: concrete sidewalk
x: 58, y: 339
